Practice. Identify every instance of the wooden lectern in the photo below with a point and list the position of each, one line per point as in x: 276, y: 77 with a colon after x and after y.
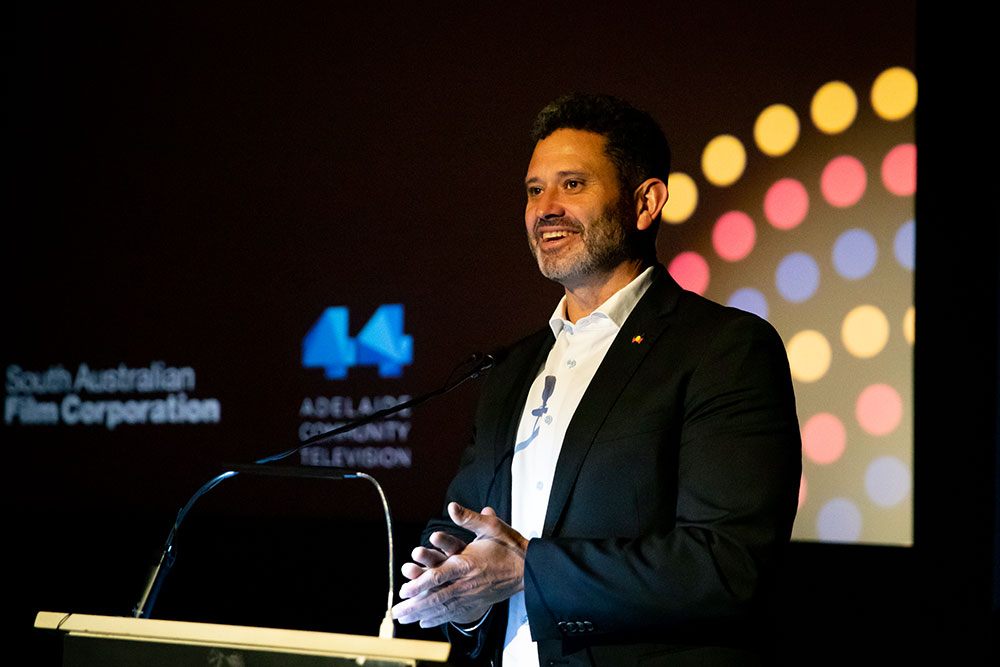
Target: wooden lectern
x: 110, y: 641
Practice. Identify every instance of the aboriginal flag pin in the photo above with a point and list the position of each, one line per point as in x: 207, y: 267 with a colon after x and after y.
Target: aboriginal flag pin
x: 637, y: 339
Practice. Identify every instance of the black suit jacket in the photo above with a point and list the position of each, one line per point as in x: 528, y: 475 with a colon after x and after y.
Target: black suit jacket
x: 674, y: 491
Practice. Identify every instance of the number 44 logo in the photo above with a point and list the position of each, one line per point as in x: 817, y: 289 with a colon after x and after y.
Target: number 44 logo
x: 381, y: 342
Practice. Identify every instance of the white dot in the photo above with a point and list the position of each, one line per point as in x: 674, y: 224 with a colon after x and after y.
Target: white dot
x: 839, y: 520
x: 887, y: 481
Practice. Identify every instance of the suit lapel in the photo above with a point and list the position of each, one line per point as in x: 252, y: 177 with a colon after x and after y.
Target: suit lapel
x: 648, y: 320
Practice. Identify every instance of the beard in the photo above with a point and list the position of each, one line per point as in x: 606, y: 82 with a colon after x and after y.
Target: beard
x: 605, y: 245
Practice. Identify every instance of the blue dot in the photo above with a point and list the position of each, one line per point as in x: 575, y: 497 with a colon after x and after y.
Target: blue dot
x: 905, y: 244
x: 888, y: 481
x: 797, y: 277
x: 839, y: 520
x: 750, y: 300
x: 854, y: 254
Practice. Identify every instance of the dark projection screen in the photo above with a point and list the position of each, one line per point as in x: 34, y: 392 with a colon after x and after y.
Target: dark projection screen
x: 259, y: 224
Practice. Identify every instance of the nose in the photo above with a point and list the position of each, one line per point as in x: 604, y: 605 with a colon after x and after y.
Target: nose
x: 547, y: 205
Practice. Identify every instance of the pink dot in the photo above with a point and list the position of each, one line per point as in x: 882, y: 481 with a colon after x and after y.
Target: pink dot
x: 899, y: 170
x: 802, y: 490
x: 879, y: 409
x: 843, y: 181
x: 690, y: 270
x: 823, y: 438
x: 786, y: 203
x: 734, y: 236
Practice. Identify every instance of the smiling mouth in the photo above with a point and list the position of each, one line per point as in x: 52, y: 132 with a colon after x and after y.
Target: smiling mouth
x: 551, y: 236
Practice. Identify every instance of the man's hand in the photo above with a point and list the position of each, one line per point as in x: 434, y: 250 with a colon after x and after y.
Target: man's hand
x: 461, y: 582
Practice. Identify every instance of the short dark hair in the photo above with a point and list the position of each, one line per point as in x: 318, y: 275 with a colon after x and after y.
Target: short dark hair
x: 635, y: 145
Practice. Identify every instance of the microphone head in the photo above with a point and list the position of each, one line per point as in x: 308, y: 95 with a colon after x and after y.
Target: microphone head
x: 484, y: 361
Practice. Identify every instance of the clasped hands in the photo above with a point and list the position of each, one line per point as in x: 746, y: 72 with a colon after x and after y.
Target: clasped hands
x: 459, y: 582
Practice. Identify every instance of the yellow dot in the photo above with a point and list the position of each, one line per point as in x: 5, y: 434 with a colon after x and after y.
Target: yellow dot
x: 834, y: 107
x: 808, y: 355
x: 894, y: 93
x: 910, y: 325
x: 776, y: 130
x: 865, y: 331
x: 683, y: 198
x: 723, y: 160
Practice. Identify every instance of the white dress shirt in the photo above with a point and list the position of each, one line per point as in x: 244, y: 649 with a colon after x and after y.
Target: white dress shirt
x: 554, y: 396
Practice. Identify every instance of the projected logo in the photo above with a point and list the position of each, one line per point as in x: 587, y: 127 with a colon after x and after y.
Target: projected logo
x: 115, y: 396
x: 381, y: 342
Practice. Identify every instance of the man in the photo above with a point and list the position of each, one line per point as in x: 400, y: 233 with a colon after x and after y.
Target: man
x: 636, y: 463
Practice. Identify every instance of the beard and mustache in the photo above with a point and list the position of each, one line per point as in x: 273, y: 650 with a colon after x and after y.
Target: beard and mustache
x: 608, y: 240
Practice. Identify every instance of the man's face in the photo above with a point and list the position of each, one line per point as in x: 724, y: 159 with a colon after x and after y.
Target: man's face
x: 576, y: 218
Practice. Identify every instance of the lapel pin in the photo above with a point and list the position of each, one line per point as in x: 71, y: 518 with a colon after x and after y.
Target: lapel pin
x: 637, y: 339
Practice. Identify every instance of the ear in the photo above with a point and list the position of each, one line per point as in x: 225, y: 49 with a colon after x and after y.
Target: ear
x: 650, y: 197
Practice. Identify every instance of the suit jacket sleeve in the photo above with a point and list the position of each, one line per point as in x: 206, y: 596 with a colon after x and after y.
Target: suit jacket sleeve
x: 728, y: 453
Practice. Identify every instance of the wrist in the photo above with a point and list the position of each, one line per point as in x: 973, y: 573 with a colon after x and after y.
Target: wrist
x: 467, y: 628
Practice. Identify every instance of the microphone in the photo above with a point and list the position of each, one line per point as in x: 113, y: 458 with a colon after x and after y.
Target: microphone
x: 484, y: 361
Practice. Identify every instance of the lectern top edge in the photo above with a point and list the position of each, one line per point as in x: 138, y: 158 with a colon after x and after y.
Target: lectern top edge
x: 242, y: 637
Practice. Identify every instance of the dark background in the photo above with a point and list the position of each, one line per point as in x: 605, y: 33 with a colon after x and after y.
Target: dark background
x: 195, y: 183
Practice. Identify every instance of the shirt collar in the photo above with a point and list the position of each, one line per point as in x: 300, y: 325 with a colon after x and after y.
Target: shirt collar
x: 616, y: 309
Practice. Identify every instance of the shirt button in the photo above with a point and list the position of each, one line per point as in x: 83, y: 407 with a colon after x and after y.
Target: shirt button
x: 524, y: 619
x: 571, y: 363
x: 548, y: 419
x: 539, y: 485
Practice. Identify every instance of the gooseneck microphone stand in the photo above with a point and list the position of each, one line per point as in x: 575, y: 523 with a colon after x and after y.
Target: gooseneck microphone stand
x: 478, y: 364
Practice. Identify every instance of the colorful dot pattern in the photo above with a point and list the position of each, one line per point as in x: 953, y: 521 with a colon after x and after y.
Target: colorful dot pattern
x: 807, y: 219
